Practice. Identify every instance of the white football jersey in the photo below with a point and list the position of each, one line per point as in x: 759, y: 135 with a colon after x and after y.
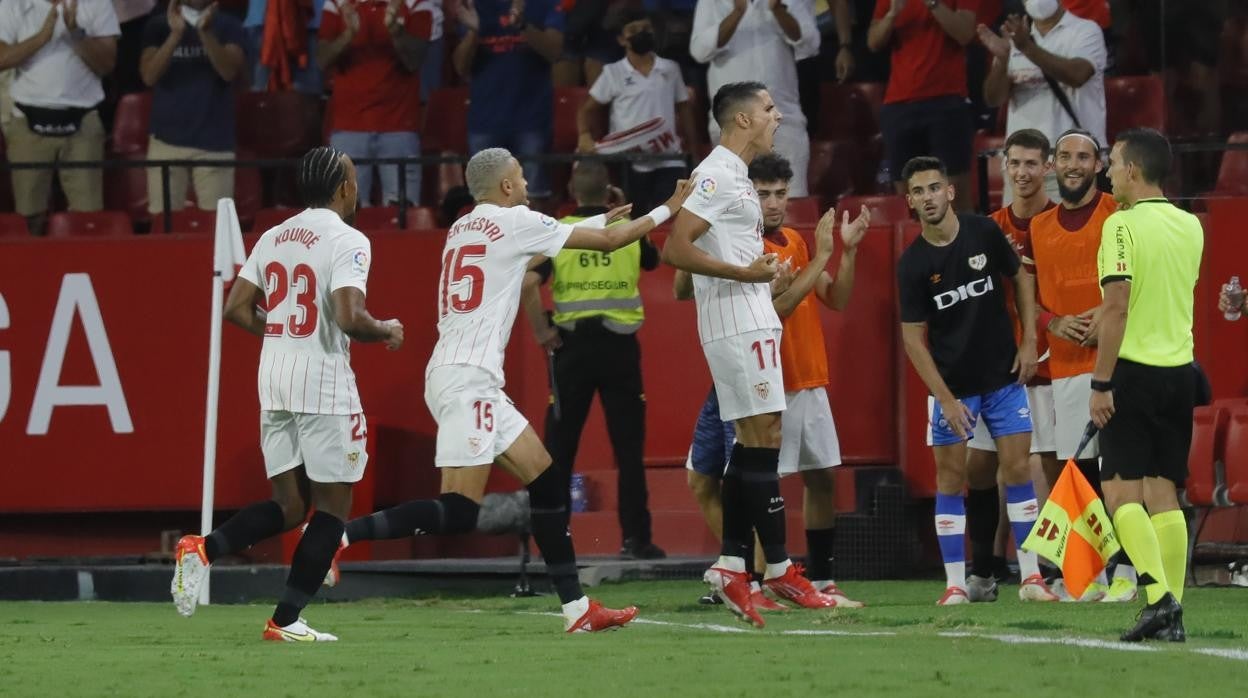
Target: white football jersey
x: 724, y: 196
x: 305, y: 363
x: 483, y: 266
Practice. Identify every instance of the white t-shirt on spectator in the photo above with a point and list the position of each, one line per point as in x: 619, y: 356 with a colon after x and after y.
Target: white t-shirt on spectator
x: 635, y: 98
x: 55, y: 76
x: 433, y: 7
x: 724, y: 196
x: 1032, y: 102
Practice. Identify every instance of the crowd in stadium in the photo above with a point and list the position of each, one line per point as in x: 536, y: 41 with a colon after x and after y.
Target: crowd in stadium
x: 862, y: 85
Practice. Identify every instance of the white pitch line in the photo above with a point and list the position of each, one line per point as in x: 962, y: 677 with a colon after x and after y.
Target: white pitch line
x: 1007, y: 638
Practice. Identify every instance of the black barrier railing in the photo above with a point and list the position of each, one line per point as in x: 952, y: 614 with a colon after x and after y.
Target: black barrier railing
x: 984, y: 157
x: 282, y: 163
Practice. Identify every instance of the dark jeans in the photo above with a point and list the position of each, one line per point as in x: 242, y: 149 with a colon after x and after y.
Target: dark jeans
x: 596, y: 360
x: 645, y: 190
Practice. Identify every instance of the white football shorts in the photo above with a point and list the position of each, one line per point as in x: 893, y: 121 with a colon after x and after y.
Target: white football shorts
x: 747, y: 373
x: 330, y: 447
x: 807, y: 433
x: 477, y: 422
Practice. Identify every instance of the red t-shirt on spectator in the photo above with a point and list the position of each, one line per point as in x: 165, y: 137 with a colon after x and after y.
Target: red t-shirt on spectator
x: 926, y: 62
x: 373, y: 92
x: 1095, y: 10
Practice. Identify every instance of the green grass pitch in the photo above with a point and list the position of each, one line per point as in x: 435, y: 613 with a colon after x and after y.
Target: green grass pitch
x: 901, y: 645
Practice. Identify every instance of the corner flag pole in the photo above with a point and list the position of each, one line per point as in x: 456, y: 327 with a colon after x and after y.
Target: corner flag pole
x: 227, y: 252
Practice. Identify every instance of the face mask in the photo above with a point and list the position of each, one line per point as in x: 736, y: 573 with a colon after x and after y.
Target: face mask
x: 1040, y: 9
x: 191, y: 15
x: 642, y: 42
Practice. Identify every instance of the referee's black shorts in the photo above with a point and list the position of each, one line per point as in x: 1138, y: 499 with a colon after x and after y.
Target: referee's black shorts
x: 1151, y: 430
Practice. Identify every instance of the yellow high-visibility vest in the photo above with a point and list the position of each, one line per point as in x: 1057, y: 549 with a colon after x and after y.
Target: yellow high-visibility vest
x: 598, y: 284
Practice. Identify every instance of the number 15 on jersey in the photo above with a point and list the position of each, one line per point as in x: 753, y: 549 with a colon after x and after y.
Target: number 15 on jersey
x: 467, y: 278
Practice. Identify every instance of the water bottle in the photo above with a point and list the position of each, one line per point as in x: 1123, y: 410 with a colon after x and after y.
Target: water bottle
x: 580, y: 498
x: 1235, y: 294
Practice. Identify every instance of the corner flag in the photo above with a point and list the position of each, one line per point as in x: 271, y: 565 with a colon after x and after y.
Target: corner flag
x: 1073, y: 507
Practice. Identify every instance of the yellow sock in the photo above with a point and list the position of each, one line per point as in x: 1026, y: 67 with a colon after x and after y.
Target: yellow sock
x: 1171, y: 530
x: 1135, y: 532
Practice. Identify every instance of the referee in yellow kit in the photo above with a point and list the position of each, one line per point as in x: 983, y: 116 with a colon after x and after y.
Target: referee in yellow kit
x: 1144, y: 385
x: 595, y: 350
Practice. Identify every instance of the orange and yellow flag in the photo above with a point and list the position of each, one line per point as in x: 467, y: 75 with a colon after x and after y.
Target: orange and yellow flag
x: 1074, y: 508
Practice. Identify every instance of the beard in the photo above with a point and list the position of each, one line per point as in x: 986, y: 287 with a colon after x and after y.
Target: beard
x: 1074, y: 196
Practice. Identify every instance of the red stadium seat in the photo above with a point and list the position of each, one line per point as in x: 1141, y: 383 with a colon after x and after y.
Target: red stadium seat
x: 828, y: 174
x: 188, y: 220
x: 13, y: 225
x: 74, y: 224
x: 446, y: 121
x: 850, y: 111
x: 278, y: 124
x: 885, y: 210
x: 387, y: 218
x: 803, y: 212
x: 1134, y: 101
x: 567, y: 101
x: 125, y: 189
x: 271, y: 218
x: 1237, y: 457
x: 130, y: 124
x: 1233, y: 174
x: 1208, y: 444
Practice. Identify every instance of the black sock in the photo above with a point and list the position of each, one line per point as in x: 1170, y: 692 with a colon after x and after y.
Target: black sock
x: 549, y: 514
x: 983, y: 509
x: 750, y: 547
x: 819, y: 542
x: 760, y: 485
x: 312, y: 558
x: 244, y: 529
x: 738, y: 533
x: 407, y: 519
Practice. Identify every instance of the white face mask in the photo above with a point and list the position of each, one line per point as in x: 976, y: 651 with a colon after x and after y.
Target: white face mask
x: 1040, y: 9
x: 192, y: 15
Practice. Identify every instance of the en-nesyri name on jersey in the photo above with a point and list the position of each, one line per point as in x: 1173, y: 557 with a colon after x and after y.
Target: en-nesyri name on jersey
x: 483, y: 266
x: 305, y: 362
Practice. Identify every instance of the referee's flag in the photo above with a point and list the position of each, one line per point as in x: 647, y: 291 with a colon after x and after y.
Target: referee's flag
x: 1073, y: 530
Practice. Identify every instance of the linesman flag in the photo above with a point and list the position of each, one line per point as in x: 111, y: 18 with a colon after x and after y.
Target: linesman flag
x: 1073, y: 530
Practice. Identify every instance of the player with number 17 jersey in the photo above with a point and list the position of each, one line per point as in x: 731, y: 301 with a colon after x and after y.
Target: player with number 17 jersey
x: 305, y: 362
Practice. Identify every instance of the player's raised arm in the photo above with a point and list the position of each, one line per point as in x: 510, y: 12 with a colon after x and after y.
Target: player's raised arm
x: 617, y: 236
x: 358, y: 324
x: 244, y: 307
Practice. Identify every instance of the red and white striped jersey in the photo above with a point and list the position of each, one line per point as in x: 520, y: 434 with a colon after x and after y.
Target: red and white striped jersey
x: 724, y: 196
x: 483, y: 265
x: 305, y: 363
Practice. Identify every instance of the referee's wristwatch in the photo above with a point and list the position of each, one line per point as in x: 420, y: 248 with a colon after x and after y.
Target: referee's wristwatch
x: 1102, y: 386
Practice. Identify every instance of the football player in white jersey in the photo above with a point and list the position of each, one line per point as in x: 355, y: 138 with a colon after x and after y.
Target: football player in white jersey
x: 718, y: 237
x: 302, y: 290
x: 486, y: 255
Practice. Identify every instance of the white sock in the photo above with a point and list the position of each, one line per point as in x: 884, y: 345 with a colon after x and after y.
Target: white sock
x: 730, y: 563
x: 1102, y: 579
x: 345, y: 541
x: 1027, y: 563
x: 755, y: 587
x: 573, y: 610
x: 777, y: 570
x: 1126, y: 572
x: 955, y: 574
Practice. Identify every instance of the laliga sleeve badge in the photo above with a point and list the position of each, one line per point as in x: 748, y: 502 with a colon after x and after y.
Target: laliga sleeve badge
x: 359, y: 262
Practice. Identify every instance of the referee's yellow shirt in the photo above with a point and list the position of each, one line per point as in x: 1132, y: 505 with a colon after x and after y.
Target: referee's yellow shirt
x: 1157, y: 247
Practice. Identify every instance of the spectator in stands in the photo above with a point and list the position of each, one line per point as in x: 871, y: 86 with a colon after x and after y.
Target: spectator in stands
x: 639, y: 88
x: 431, y: 68
x: 589, y: 42
x: 376, y: 48
x: 305, y: 77
x: 60, y: 52
x: 925, y: 108
x: 1050, y: 72
x: 673, y: 21
x: 191, y: 56
x: 506, y: 53
x: 752, y: 40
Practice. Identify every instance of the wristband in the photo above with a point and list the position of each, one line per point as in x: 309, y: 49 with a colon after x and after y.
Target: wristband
x: 660, y: 214
x: 1102, y: 386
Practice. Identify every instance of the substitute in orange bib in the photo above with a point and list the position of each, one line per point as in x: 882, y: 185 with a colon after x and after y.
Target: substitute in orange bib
x: 1064, y: 244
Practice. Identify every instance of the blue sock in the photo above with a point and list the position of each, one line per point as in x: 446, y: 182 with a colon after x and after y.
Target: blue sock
x: 951, y: 534
x: 1022, y: 508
